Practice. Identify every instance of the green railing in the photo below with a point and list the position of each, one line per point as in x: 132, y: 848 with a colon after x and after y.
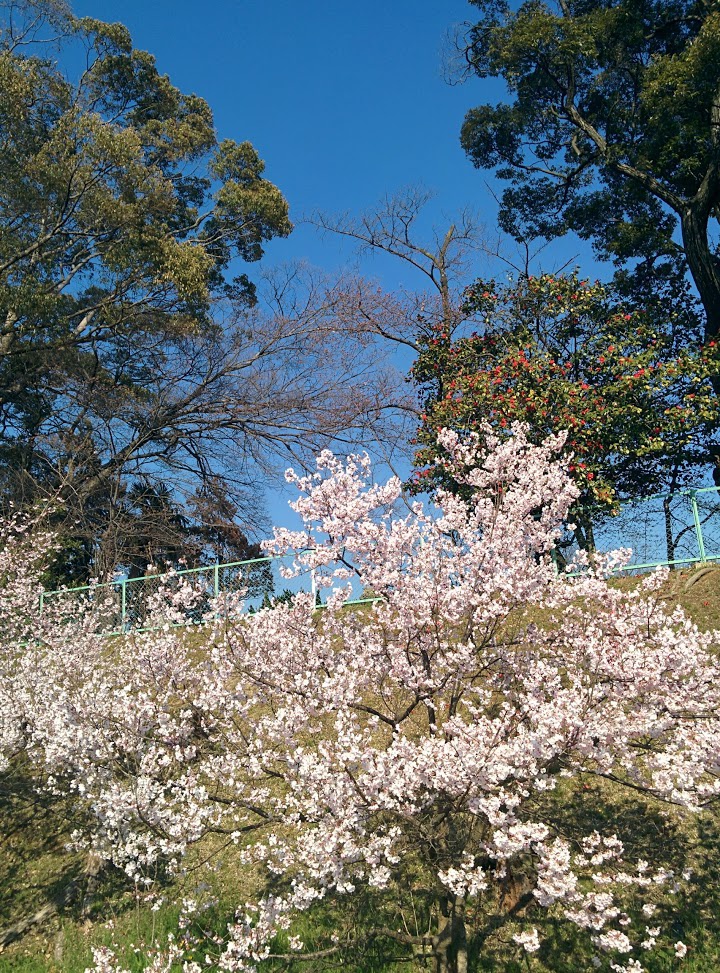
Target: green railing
x: 663, y: 530
x: 123, y: 604
x: 675, y: 530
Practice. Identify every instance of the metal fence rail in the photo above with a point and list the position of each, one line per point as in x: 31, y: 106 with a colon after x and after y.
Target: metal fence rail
x: 674, y: 530
x: 123, y: 604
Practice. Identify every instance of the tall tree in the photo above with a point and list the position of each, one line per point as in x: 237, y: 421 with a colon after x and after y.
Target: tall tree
x: 121, y: 217
x: 133, y: 347
x: 612, y: 129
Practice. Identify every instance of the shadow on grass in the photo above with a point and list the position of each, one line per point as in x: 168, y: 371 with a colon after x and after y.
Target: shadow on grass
x: 44, y: 882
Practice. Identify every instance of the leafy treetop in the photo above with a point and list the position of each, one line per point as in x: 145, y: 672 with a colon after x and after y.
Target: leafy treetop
x: 612, y: 127
x: 121, y: 212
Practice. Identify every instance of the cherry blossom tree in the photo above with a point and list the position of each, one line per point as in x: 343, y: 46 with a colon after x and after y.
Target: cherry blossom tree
x: 419, y: 755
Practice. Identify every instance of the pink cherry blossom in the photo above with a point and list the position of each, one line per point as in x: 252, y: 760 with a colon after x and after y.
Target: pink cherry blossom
x: 433, y: 737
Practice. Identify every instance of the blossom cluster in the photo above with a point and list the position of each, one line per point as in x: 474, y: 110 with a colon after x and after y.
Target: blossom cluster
x: 432, y: 734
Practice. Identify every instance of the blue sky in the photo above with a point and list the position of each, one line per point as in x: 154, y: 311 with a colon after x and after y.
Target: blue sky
x: 346, y: 102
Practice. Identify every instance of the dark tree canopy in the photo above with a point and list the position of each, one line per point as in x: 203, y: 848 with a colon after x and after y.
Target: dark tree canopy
x: 611, y: 129
x: 121, y: 213
x: 121, y: 221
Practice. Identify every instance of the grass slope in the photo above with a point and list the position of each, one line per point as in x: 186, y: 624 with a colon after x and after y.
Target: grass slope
x: 55, y: 904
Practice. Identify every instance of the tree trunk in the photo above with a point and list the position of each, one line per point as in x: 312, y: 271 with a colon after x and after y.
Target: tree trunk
x: 694, y: 217
x: 460, y: 940
x: 669, y: 542
x: 584, y: 533
x: 704, y: 268
x: 450, y: 944
x: 442, y: 945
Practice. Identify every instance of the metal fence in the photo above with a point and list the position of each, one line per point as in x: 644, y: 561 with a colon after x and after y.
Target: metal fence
x: 676, y: 530
x: 125, y: 603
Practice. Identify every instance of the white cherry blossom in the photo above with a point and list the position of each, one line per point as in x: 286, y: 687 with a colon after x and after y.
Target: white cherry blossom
x: 433, y: 737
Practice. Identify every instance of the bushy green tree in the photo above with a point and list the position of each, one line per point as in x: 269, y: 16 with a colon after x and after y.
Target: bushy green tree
x: 559, y: 352
x: 611, y: 129
x: 121, y: 222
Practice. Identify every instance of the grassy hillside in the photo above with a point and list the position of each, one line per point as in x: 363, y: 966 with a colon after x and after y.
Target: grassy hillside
x: 56, y: 903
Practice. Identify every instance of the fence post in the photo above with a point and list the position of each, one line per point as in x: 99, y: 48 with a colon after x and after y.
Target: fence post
x: 698, y: 527
x: 123, y: 604
x: 216, y: 579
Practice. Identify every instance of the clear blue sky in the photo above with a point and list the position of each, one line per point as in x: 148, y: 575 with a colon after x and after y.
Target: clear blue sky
x: 345, y: 102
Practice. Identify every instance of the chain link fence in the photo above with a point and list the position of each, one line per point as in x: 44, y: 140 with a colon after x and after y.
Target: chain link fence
x: 676, y: 530
x: 124, y: 604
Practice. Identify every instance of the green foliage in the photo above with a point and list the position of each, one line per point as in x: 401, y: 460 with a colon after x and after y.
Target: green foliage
x: 120, y: 219
x: 612, y: 128
x: 97, y: 188
x: 558, y: 352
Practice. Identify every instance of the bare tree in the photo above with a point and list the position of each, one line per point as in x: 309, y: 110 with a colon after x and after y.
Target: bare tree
x: 442, y: 258
x: 266, y: 385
